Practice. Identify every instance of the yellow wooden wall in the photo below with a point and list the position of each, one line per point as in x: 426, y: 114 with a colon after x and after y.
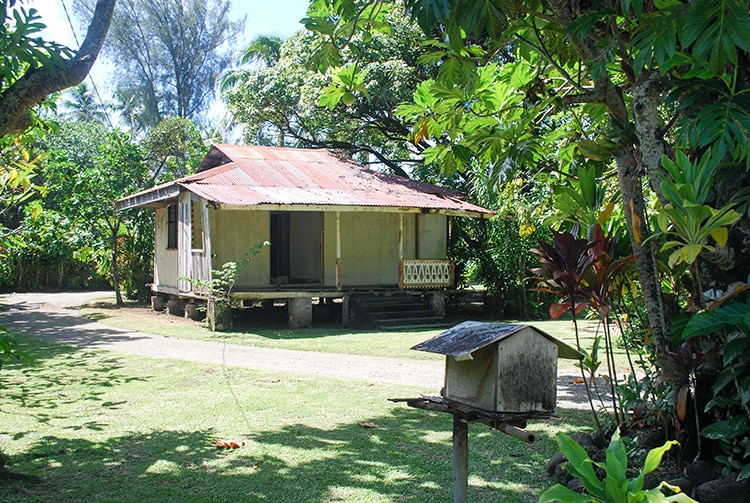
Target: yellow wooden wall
x: 165, y: 260
x: 233, y: 233
x: 369, y: 246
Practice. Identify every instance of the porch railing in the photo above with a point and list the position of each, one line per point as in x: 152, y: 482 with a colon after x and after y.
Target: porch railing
x: 417, y: 273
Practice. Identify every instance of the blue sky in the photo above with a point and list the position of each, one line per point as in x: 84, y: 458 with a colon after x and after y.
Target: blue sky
x: 264, y: 17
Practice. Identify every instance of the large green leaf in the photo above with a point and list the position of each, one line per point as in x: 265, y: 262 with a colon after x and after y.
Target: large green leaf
x: 725, y: 126
x: 580, y: 465
x: 564, y: 495
x: 703, y: 324
x: 716, y: 29
x: 656, y: 39
x: 654, y: 456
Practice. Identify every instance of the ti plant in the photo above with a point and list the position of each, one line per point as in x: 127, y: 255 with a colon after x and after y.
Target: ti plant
x: 564, y: 264
x: 601, y: 280
x: 584, y: 273
x: 616, y: 486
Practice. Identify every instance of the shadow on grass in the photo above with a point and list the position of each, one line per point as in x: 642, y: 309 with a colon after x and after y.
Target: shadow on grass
x: 54, y: 367
x: 268, y: 323
x: 407, y: 458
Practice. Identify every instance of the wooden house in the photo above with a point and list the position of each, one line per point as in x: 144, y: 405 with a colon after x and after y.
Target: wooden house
x: 334, y: 227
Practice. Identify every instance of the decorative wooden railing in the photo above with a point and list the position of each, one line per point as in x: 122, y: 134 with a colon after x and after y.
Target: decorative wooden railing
x: 417, y: 273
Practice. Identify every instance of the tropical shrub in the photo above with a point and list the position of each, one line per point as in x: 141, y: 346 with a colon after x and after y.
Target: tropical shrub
x: 616, y: 486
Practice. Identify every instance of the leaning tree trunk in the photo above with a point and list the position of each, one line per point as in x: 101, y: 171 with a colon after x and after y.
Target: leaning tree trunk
x: 37, y: 83
x: 634, y: 160
x: 645, y: 252
x: 649, y: 131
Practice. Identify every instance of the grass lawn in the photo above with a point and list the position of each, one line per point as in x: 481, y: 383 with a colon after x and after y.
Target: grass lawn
x: 99, y: 426
x: 328, y: 337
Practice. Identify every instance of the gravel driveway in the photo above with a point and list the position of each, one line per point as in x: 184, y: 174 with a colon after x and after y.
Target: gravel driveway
x: 56, y: 317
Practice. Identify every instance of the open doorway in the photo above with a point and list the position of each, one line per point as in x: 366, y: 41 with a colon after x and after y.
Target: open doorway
x: 296, y: 247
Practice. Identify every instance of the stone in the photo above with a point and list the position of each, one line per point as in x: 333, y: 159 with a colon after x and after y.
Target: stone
x: 576, y: 485
x: 175, y: 307
x: 437, y: 303
x: 722, y: 490
x: 557, y: 459
x: 583, y: 439
x: 561, y: 474
x: 219, y: 316
x: 650, y: 481
x: 683, y: 483
x: 157, y: 303
x: 194, y: 311
x: 700, y: 472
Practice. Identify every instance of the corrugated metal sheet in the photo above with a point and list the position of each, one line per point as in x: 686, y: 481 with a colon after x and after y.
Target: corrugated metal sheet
x: 285, y: 176
x: 469, y: 336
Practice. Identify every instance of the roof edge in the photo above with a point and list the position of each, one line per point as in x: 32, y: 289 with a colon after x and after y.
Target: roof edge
x: 149, y: 197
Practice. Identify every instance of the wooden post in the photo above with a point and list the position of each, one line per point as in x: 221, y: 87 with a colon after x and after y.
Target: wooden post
x: 460, y: 459
x: 339, y: 280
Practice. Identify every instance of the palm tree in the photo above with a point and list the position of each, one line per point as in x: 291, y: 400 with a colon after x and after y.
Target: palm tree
x: 264, y: 50
x: 82, y: 106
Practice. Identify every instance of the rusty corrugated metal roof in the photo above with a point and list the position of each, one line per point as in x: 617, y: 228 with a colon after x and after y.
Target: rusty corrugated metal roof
x: 237, y: 175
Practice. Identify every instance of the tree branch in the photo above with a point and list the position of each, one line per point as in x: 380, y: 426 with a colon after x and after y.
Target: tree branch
x: 38, y: 83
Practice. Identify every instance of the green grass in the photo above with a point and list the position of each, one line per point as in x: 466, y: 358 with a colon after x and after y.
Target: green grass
x: 98, y: 426
x: 327, y: 337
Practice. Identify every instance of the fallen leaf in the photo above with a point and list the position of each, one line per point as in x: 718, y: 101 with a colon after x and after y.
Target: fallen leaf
x: 229, y: 444
x: 369, y: 425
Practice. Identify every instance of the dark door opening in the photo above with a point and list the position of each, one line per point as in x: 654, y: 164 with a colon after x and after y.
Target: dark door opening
x: 279, y: 248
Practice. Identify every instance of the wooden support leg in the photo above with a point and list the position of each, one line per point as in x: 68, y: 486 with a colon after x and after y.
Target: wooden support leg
x: 460, y: 459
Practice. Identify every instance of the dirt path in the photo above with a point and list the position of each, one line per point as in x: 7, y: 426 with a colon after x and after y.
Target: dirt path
x: 56, y: 317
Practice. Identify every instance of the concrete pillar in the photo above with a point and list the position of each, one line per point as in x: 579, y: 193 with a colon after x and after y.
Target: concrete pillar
x: 157, y: 303
x: 345, y: 315
x: 219, y: 316
x: 175, y: 307
x: 300, y: 312
x: 194, y: 312
x: 437, y: 303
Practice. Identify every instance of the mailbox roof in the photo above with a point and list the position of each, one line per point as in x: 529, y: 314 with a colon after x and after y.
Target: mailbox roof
x: 469, y: 336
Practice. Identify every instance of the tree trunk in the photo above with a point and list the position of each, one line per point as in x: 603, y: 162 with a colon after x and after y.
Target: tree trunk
x: 38, y: 83
x: 649, y: 131
x: 645, y: 254
x: 115, y: 270
x: 631, y: 161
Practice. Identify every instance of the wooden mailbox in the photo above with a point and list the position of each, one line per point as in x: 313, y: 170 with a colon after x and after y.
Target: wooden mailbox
x: 500, y: 368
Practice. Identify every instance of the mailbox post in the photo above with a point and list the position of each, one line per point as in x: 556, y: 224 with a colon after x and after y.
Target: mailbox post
x: 497, y: 374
